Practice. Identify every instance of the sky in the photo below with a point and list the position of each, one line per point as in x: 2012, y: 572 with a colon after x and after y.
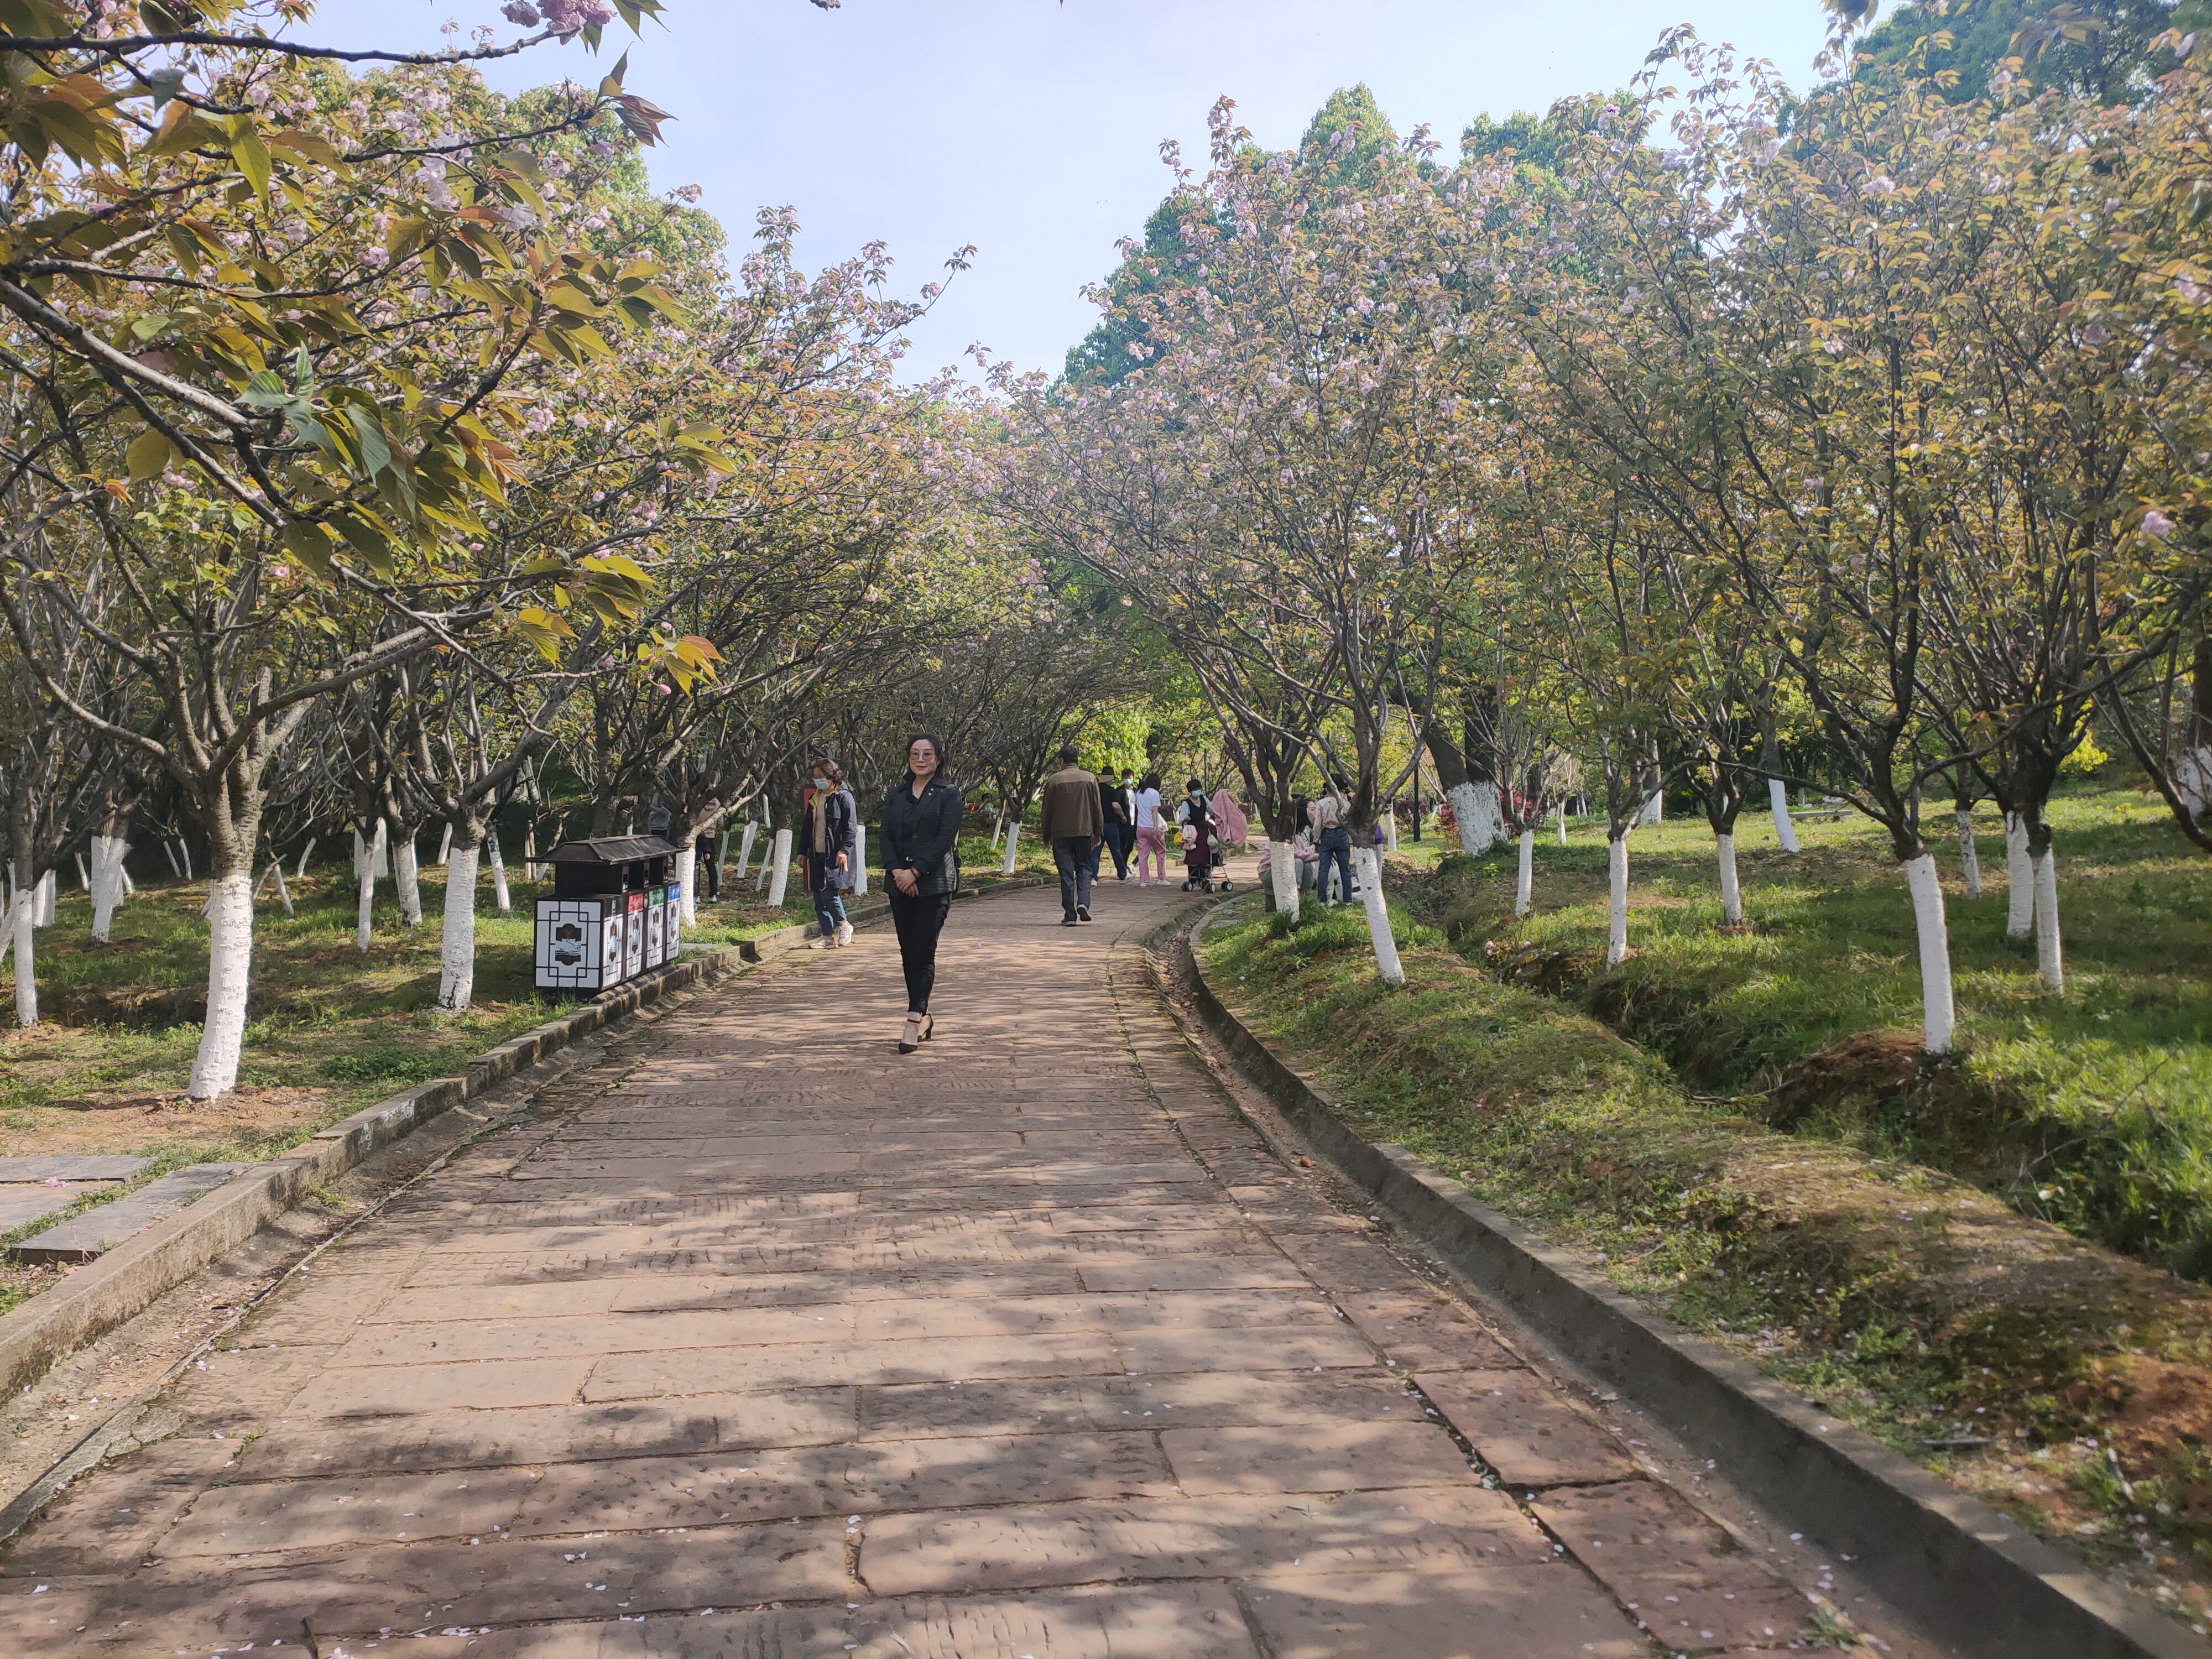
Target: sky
x: 1031, y: 129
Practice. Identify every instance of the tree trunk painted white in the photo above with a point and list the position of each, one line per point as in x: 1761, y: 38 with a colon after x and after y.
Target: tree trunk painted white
x: 169, y: 852
x: 1655, y: 809
x: 371, y: 855
x: 530, y: 854
x: 997, y: 829
x: 1939, y: 1014
x: 2049, y: 964
x: 83, y: 875
x: 687, y: 883
x: 745, y: 848
x: 27, y: 959
x: 1562, y: 823
x: 1970, y: 860
x: 445, y: 846
x: 1378, y: 916
x: 185, y: 852
x: 722, y: 855
x: 1778, y: 793
x: 108, y: 853
x: 1013, y: 839
x: 457, y: 947
x: 306, y: 852
x: 2019, y: 880
x: 1390, y: 831
x: 49, y: 891
x: 122, y: 875
x: 1283, y: 876
x: 2192, y: 780
x: 1474, y: 807
x: 1616, y: 930
x: 230, y: 965
x: 782, y: 878
x: 1524, y: 883
x: 859, y: 859
x: 283, y: 893
x: 1731, y: 893
x: 359, y: 854
x: 501, y: 897
x: 408, y: 882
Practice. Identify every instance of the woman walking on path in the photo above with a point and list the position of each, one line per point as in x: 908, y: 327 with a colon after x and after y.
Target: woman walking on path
x: 832, y: 820
x: 918, y: 835
x: 1152, y: 834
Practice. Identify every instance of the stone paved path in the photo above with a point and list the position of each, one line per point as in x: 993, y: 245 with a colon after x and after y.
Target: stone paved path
x: 761, y: 1340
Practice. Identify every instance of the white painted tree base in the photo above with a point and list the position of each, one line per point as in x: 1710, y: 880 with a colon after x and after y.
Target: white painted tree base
x: 27, y: 957
x: 1283, y: 876
x: 1013, y: 841
x: 365, y: 867
x: 408, y: 883
x: 1378, y: 916
x: 2019, y: 880
x: 2049, y: 966
x: 1616, y: 929
x: 859, y: 858
x: 782, y: 878
x: 457, y: 942
x: 1475, y: 809
x: 745, y: 848
x: 1731, y: 892
x: 1524, y: 884
x: 1939, y: 1013
x: 1970, y: 860
x: 1785, y: 831
x: 230, y: 965
x: 501, y: 897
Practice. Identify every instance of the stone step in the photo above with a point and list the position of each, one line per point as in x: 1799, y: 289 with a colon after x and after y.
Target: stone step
x: 71, y: 1166
x: 24, y: 1202
x: 83, y: 1238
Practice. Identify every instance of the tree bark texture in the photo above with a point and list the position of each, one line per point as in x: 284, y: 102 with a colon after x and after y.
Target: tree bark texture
x: 1939, y: 1014
x: 1370, y: 865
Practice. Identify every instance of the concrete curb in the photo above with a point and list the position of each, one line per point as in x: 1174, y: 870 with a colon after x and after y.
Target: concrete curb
x: 1968, y: 1573
x: 97, y: 1297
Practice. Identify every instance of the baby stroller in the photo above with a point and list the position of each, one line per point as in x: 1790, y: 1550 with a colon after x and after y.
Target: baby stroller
x: 1201, y: 859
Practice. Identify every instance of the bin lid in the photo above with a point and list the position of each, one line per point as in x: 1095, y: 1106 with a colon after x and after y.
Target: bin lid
x: 610, y: 849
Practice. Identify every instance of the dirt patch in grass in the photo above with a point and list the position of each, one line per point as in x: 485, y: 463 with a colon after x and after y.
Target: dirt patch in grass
x: 2053, y: 1377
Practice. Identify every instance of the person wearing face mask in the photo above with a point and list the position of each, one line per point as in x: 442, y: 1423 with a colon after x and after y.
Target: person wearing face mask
x: 832, y: 818
x: 918, y: 841
x: 1120, y: 802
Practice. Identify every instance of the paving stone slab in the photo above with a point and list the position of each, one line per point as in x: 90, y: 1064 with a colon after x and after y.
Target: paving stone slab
x: 1690, y: 1583
x: 1333, y: 1457
x: 1542, y: 1612
x: 81, y: 1238
x: 20, y: 1206
x: 1526, y: 1429
x: 71, y: 1166
x: 1044, y: 1546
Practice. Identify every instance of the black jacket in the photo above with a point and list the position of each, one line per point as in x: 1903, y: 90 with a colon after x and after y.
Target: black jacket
x: 841, y: 817
x: 920, y: 835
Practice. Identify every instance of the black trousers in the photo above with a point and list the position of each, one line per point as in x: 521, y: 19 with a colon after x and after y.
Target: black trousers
x: 710, y: 874
x: 918, y: 921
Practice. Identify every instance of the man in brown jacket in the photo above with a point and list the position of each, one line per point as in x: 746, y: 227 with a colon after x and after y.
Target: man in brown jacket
x: 1072, y: 825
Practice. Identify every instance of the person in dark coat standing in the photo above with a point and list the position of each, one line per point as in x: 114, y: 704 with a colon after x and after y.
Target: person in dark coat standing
x: 919, y: 839
x: 832, y: 820
x: 1072, y: 823
x: 707, y: 867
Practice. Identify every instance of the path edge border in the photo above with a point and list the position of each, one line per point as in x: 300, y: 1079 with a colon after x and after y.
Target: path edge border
x: 1968, y: 1573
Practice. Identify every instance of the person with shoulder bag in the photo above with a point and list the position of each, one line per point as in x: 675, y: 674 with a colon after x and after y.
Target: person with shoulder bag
x: 832, y: 820
x: 919, y: 839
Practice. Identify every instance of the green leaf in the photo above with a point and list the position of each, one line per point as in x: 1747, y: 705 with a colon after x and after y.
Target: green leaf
x: 149, y: 455
x: 310, y: 544
x: 611, y: 86
x: 375, y: 452
x: 250, y: 154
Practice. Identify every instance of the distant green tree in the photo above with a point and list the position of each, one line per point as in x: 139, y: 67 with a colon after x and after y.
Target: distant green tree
x: 1103, y: 355
x: 2092, y: 48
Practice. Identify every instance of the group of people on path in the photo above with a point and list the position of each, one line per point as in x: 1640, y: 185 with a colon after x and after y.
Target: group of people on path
x: 1085, y: 814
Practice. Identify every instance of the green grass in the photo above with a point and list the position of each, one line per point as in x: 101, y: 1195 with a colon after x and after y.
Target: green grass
x: 2092, y: 1109
x: 1900, y: 1299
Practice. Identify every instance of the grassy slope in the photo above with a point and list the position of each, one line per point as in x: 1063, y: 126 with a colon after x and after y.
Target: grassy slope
x: 1905, y: 1300
x: 2093, y: 1110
